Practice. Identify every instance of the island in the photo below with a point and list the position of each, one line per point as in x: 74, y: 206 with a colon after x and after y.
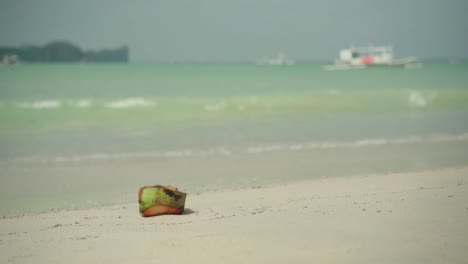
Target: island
x: 62, y: 51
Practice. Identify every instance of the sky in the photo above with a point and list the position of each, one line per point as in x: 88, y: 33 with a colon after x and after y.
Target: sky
x: 240, y: 30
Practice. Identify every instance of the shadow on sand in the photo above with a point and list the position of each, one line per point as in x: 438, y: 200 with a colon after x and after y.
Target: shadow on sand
x: 188, y: 211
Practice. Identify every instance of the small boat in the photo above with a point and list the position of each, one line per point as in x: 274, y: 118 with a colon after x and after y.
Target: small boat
x: 361, y: 58
x: 280, y: 59
x: 10, y: 59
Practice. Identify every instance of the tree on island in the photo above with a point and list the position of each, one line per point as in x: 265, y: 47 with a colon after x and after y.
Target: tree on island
x: 61, y: 51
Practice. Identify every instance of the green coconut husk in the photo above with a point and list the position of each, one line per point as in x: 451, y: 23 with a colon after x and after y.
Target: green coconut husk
x: 157, y: 200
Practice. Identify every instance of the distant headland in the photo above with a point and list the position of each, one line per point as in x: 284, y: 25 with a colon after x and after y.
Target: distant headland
x: 62, y: 51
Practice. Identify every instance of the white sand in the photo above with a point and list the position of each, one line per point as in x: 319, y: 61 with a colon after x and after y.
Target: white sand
x: 395, y: 218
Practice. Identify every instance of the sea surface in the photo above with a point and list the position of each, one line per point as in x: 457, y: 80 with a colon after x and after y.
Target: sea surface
x: 84, y: 135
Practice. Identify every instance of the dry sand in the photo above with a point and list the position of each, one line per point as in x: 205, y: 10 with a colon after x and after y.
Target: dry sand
x: 419, y: 217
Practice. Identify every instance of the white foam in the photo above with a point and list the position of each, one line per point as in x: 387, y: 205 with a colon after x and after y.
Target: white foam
x: 445, y: 137
x: 406, y: 140
x: 416, y: 99
x: 251, y: 150
x: 83, y: 103
x: 130, y: 102
x: 45, y: 104
x: 296, y: 147
x: 265, y: 148
x: 126, y: 155
x: 174, y: 154
x: 216, y: 106
x: 369, y: 142
x: 361, y: 143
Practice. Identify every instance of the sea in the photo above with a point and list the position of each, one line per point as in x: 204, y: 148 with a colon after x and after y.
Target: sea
x: 89, y: 135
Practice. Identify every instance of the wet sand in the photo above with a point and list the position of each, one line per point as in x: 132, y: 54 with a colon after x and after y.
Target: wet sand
x: 416, y: 217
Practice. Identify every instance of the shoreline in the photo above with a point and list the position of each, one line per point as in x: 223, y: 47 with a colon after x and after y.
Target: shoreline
x: 414, y: 217
x: 222, y: 190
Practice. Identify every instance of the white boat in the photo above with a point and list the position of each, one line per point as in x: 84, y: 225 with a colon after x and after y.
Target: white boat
x: 280, y: 59
x: 361, y: 58
x: 10, y: 59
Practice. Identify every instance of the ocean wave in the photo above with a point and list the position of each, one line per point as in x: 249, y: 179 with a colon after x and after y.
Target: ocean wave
x: 81, y: 103
x: 417, y: 99
x: 53, y: 104
x: 130, y: 103
x: 216, y: 106
x: 45, y: 104
x: 249, y: 150
x: 361, y: 143
x: 125, y: 155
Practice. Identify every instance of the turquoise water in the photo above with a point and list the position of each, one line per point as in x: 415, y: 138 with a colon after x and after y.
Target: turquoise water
x: 78, y: 135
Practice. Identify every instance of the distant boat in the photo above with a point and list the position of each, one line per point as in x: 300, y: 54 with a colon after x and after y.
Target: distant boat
x: 280, y: 59
x: 10, y: 59
x: 361, y: 58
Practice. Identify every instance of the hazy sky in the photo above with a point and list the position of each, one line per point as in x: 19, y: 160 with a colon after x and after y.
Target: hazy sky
x: 167, y: 30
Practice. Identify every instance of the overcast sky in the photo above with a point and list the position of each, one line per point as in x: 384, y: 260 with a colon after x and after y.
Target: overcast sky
x: 168, y: 30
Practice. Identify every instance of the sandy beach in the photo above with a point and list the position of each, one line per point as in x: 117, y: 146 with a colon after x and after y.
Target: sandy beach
x: 417, y: 217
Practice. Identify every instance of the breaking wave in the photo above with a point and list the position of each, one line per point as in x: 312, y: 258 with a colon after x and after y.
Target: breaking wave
x: 417, y: 99
x: 45, y: 104
x: 131, y: 102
